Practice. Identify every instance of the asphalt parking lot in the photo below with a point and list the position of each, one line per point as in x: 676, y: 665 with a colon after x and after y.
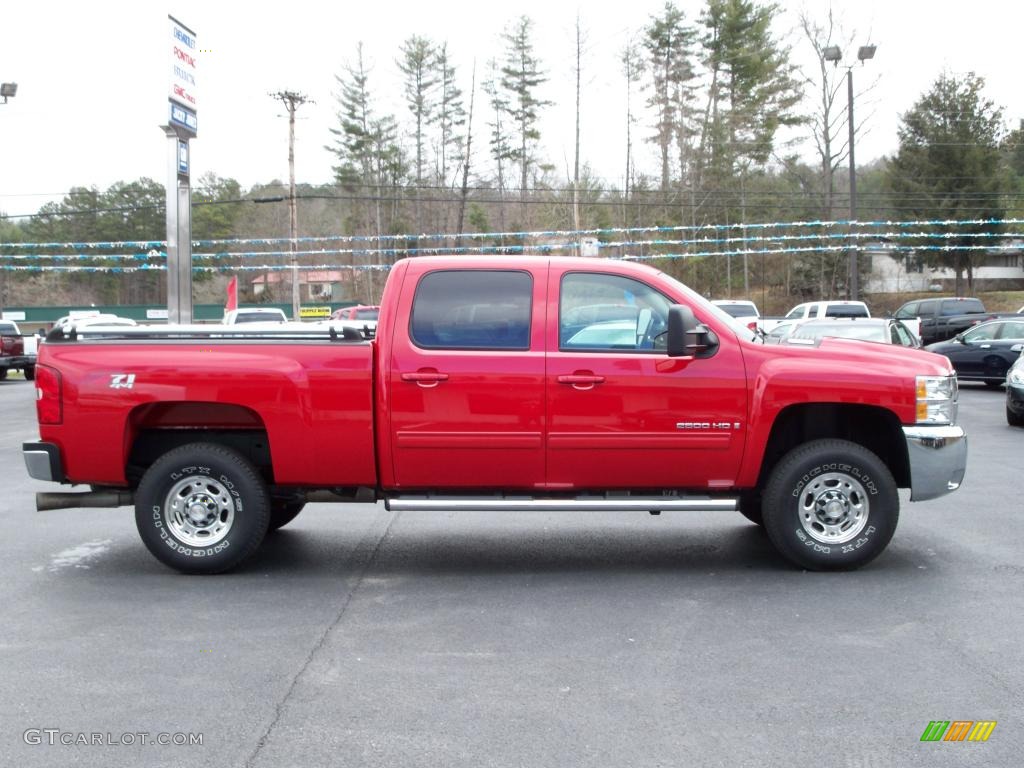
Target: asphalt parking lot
x: 358, y: 637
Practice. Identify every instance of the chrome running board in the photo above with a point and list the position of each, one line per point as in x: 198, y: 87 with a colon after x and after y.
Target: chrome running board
x: 413, y: 503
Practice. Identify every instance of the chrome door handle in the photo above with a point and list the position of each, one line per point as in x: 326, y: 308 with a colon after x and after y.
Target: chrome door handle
x: 425, y: 379
x: 581, y: 381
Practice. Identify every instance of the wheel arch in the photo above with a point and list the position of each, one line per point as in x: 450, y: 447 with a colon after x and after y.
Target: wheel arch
x: 875, y: 428
x: 153, y: 429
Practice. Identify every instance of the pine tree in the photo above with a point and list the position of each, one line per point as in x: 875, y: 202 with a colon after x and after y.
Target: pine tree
x: 417, y: 65
x: 669, y: 43
x: 947, y: 167
x: 450, y: 116
x: 753, y: 91
x: 521, y: 77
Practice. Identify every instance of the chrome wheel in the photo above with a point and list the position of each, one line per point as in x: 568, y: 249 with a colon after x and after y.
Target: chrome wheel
x: 834, y: 508
x: 200, y: 511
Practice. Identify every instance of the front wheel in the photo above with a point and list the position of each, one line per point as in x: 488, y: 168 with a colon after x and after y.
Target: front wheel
x: 1013, y: 419
x: 202, y: 508
x: 750, y: 507
x: 830, y: 505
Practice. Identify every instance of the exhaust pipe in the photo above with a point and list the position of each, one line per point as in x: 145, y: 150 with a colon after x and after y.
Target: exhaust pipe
x: 48, y: 501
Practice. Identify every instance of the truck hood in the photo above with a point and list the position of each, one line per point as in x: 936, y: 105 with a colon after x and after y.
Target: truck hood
x: 870, y: 356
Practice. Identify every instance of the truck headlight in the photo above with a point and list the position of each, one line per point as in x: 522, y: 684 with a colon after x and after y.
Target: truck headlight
x: 936, y: 399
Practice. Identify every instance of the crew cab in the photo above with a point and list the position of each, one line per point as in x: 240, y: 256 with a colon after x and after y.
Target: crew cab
x: 815, y: 310
x: 497, y: 383
x: 943, y: 318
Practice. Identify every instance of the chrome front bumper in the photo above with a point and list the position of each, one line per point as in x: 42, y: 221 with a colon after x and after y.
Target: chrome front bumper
x: 938, y: 460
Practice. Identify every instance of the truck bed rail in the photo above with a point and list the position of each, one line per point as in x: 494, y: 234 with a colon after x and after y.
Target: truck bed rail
x: 347, y: 334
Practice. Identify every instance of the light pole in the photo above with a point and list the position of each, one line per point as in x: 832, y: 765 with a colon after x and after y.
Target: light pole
x: 292, y: 101
x: 833, y: 54
x: 7, y: 91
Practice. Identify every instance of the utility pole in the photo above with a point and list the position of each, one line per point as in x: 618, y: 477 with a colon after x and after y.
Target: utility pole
x: 854, y: 261
x: 292, y: 100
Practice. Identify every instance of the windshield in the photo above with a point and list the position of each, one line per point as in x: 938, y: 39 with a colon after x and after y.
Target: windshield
x: 259, y: 317
x: 702, y: 306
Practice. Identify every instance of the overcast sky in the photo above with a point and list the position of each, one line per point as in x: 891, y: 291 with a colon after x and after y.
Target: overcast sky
x: 92, y: 77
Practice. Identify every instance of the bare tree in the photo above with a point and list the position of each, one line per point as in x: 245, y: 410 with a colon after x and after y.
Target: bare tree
x: 829, y: 128
x: 468, y: 154
x: 633, y: 69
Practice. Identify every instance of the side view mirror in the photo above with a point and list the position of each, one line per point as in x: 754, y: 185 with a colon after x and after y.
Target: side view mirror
x: 687, y: 337
x: 960, y: 338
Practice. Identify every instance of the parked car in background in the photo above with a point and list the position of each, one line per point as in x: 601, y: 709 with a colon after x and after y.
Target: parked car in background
x: 813, y: 310
x: 745, y: 312
x: 13, y: 355
x: 985, y: 352
x: 362, y: 317
x: 943, y: 318
x: 1015, y: 394
x: 254, y: 315
x: 358, y: 312
x: 87, y: 320
x: 878, y: 329
x: 781, y: 331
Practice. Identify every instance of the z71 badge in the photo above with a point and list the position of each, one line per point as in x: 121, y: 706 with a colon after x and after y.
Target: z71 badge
x: 122, y: 380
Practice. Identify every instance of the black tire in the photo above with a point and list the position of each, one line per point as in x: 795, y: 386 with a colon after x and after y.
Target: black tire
x: 750, y: 507
x: 1013, y: 419
x: 283, y: 512
x: 3, y: 374
x: 30, y: 373
x: 209, y: 480
x: 825, y: 489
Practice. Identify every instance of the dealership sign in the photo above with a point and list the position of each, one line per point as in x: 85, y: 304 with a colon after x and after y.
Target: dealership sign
x: 182, y: 86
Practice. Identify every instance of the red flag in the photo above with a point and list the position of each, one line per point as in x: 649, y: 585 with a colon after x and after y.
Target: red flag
x: 232, y: 302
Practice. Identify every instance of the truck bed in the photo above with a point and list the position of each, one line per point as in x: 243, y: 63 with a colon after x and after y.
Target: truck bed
x: 310, y: 393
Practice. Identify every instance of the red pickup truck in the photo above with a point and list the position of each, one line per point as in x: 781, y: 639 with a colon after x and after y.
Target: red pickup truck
x: 497, y: 384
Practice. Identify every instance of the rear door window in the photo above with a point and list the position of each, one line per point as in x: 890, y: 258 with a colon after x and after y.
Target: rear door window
x: 1012, y: 330
x: 472, y: 309
x: 845, y: 310
x: 908, y: 311
x: 961, y: 307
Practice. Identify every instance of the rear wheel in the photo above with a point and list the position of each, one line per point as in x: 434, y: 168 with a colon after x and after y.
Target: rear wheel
x: 830, y: 505
x: 202, y: 508
x: 30, y: 373
x: 3, y: 374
